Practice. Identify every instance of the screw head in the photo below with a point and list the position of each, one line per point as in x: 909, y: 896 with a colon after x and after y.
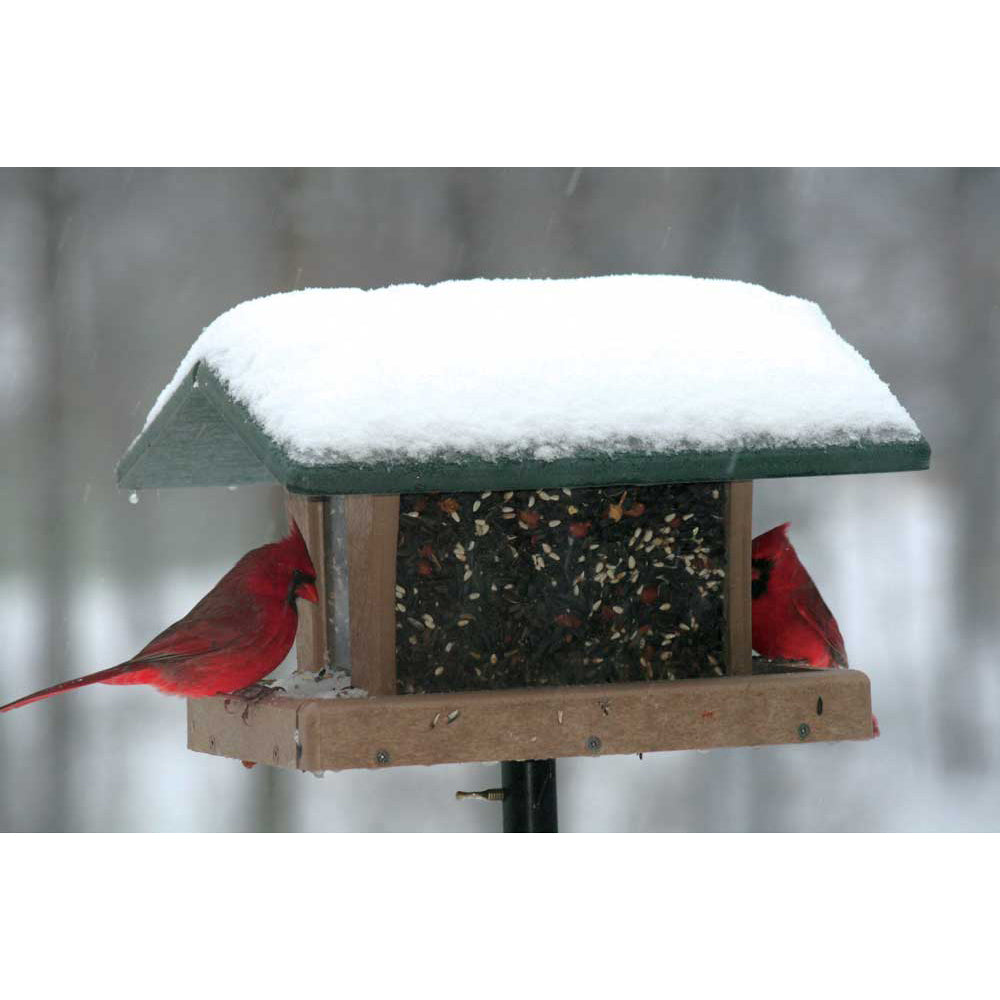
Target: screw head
x: 804, y: 730
x: 594, y: 744
x: 382, y: 757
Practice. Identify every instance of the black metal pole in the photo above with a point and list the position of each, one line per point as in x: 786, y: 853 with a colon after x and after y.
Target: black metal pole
x: 529, y: 804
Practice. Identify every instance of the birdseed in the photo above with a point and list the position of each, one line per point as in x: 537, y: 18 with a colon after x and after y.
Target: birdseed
x: 525, y: 588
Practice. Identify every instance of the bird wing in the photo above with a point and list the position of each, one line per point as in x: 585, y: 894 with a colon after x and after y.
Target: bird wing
x: 193, y: 637
x: 811, y: 607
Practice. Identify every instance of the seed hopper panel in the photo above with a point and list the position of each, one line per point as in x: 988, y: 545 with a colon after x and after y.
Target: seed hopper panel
x: 559, y: 586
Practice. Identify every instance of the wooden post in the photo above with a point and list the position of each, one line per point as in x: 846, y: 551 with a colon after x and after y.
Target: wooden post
x: 372, y: 536
x: 739, y: 516
x: 310, y: 514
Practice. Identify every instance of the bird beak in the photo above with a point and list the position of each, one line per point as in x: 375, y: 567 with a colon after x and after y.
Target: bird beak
x: 307, y: 589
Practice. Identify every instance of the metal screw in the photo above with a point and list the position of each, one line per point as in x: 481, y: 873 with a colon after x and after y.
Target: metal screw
x: 489, y: 794
x: 594, y: 744
x: 382, y: 757
x: 804, y: 730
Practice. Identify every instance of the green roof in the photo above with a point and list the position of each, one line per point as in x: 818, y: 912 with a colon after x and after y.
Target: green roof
x: 204, y: 437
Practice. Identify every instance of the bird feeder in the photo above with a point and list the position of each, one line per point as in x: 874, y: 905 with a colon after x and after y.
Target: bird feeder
x: 529, y: 508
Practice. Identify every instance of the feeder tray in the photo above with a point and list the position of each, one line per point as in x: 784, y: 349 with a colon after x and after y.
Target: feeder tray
x: 531, y: 724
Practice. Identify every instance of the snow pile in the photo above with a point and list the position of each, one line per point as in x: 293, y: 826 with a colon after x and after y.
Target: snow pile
x: 544, y: 369
x: 304, y: 684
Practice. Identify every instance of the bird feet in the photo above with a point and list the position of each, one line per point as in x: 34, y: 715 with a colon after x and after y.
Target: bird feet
x: 251, y: 695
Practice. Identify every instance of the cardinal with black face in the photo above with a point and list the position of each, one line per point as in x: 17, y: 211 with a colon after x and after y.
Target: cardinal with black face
x: 233, y: 637
x: 790, y: 620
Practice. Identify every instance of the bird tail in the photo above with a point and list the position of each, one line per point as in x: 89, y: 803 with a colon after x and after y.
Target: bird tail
x: 102, y: 676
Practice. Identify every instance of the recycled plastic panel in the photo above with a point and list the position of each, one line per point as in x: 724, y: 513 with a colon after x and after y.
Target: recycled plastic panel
x: 522, y: 724
x: 192, y: 444
x: 162, y: 457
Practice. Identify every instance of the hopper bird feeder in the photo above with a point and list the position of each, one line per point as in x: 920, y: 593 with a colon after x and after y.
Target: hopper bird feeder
x: 529, y: 507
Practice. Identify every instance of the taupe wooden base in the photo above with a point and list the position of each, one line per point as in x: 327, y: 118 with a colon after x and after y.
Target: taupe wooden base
x: 524, y: 724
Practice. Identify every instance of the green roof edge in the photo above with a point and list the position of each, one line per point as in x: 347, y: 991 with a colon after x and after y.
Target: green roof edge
x: 148, y: 436
x: 470, y: 473
x: 476, y: 473
x: 238, y: 417
x: 200, y: 379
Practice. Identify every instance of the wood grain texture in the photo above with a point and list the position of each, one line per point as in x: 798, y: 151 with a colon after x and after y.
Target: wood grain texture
x: 536, y: 723
x: 310, y: 515
x: 372, y: 534
x: 739, y: 534
x: 268, y: 736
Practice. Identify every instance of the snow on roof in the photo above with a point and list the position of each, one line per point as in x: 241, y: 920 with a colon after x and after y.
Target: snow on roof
x: 544, y: 369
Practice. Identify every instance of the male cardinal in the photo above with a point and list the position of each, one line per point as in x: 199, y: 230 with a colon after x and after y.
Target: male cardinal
x: 790, y: 620
x: 232, y: 638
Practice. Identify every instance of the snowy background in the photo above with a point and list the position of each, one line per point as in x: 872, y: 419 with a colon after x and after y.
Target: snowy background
x: 107, y: 277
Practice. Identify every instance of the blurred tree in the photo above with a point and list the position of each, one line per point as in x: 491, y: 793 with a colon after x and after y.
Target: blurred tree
x: 971, y: 262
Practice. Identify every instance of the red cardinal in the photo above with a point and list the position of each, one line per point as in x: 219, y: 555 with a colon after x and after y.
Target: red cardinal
x: 234, y: 636
x: 790, y: 620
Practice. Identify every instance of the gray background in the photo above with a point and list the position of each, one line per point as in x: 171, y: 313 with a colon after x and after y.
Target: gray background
x: 107, y: 276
